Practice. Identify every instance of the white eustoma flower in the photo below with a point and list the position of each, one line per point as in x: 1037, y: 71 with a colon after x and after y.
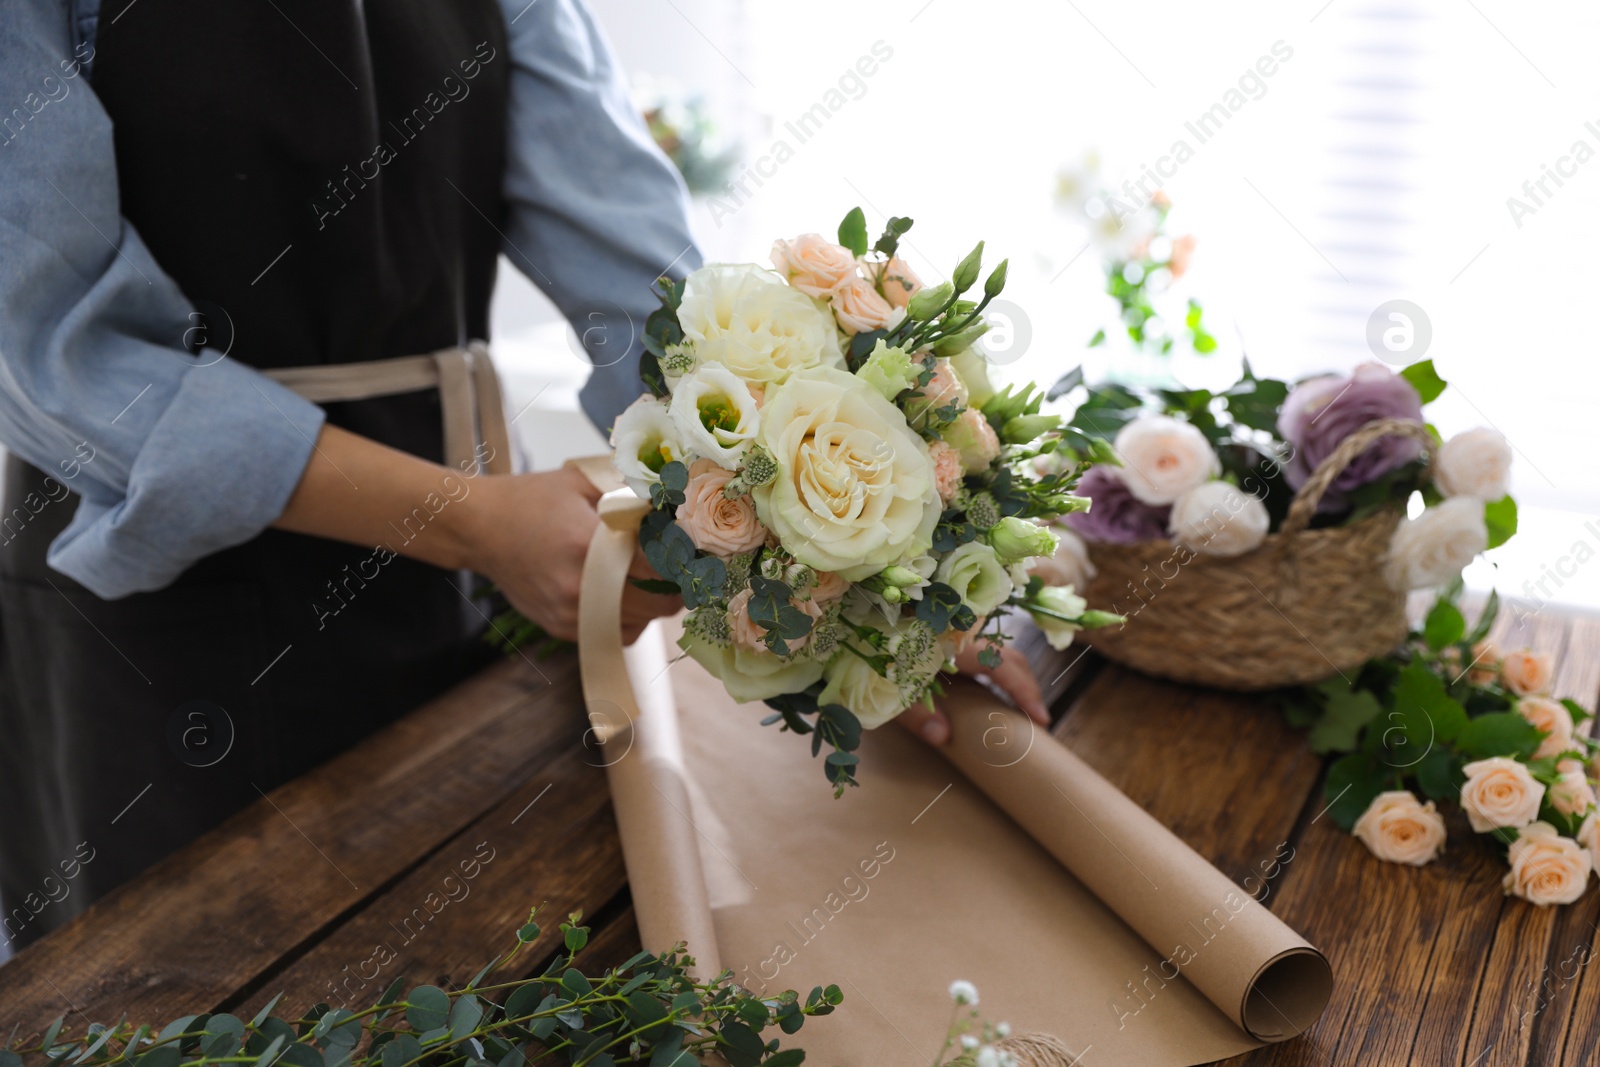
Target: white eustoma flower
x: 715, y: 414
x: 644, y: 440
x: 977, y: 575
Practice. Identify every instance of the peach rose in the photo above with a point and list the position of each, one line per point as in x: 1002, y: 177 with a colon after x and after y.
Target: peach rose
x: 750, y: 636
x: 899, y: 282
x: 1588, y: 838
x: 1182, y: 252
x: 812, y: 263
x: 1499, y: 791
x: 829, y: 588
x: 716, y: 524
x: 1574, y: 793
x: 1485, y: 663
x: 1553, y: 719
x: 947, y: 470
x: 1526, y: 671
x: 859, y: 308
x: 1547, y: 868
x: 1398, y: 828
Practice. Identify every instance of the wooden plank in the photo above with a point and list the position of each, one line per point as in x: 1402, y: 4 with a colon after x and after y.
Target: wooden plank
x: 552, y: 843
x: 1421, y: 974
x: 209, y: 919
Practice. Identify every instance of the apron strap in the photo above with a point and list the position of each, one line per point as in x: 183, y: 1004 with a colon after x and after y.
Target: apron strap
x: 469, y: 396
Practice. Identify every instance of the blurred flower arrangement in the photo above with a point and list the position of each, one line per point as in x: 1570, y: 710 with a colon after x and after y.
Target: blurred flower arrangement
x: 1129, y: 230
x: 972, y: 1041
x: 1217, y: 472
x: 682, y: 127
x: 843, y: 500
x: 1455, y: 720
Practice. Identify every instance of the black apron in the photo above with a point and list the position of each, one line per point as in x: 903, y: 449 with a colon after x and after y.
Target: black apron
x: 358, y: 150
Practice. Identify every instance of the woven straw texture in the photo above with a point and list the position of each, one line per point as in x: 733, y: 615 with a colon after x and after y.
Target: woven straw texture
x: 1305, y: 605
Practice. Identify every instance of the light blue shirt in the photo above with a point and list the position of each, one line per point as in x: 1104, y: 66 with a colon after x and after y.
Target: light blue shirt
x: 176, y: 457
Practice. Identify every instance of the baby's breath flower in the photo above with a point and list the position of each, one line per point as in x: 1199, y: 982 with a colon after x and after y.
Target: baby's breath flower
x: 964, y: 992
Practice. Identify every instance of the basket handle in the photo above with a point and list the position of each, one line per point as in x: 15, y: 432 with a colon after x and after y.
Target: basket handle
x: 1310, y: 494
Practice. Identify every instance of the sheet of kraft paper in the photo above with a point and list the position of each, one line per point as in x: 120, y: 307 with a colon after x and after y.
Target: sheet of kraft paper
x: 1004, y: 860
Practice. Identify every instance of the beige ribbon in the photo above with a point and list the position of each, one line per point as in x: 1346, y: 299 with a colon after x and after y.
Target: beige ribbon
x: 469, y: 396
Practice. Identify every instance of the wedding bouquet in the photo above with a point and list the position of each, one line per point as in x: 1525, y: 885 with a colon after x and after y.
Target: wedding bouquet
x: 839, y: 494
x: 1217, y: 473
x: 1451, y: 717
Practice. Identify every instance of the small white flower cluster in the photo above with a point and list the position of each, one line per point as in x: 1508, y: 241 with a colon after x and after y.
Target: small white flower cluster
x: 976, y: 1048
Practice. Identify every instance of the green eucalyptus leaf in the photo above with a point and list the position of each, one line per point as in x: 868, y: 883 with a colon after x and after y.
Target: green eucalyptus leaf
x: 429, y: 1007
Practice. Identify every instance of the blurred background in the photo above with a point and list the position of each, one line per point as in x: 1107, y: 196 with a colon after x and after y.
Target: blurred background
x: 1335, y: 156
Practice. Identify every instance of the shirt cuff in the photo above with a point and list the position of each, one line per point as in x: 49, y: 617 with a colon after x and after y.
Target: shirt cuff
x: 218, y: 467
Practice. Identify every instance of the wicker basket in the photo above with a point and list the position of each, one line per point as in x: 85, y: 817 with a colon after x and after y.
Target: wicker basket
x: 1305, y: 605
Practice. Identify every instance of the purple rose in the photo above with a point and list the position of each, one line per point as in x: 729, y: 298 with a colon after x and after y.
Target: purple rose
x: 1322, y: 412
x: 1116, y: 516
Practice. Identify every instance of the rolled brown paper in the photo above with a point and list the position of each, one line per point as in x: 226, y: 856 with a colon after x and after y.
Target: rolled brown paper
x: 1264, y: 976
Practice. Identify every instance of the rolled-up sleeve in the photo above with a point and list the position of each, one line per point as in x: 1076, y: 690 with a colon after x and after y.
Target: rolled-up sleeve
x: 596, y: 211
x: 174, y: 457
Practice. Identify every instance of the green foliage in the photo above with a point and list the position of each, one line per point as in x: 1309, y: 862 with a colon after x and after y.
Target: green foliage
x: 853, y: 232
x: 1500, y: 516
x: 1425, y: 380
x: 835, y: 726
x: 649, y: 1010
x: 771, y: 610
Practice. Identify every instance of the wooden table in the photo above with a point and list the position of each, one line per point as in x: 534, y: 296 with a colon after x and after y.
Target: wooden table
x: 1432, y: 966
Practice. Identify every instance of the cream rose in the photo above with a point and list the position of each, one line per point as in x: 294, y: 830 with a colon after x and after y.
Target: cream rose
x: 1590, y: 839
x: 750, y: 675
x: 1527, y: 672
x: 644, y: 440
x: 854, y: 491
x: 1070, y: 565
x: 745, y: 317
x: 1474, y: 464
x: 977, y: 575
x: 1163, y: 458
x: 1574, y: 793
x: 716, y: 524
x: 900, y: 283
x: 1218, y: 519
x: 1057, y: 600
x: 1499, y: 791
x: 1553, y: 719
x: 859, y: 308
x: 851, y: 681
x: 1398, y: 828
x: 1430, y: 550
x: 812, y: 263
x: 1546, y: 868
x: 715, y: 413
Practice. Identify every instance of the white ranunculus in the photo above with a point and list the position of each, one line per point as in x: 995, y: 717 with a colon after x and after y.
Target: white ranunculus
x: 745, y: 317
x: 1218, y: 519
x: 1070, y: 565
x: 715, y: 414
x: 1430, y: 550
x: 1163, y: 458
x: 975, y: 572
x: 855, y: 490
x: 645, y: 439
x: 1474, y: 463
x: 751, y: 675
x: 1058, y: 600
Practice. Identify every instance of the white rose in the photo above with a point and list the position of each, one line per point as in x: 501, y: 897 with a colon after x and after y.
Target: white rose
x: 1060, y: 604
x: 1070, y: 565
x: 715, y: 414
x: 749, y: 675
x: 745, y: 317
x: 977, y: 575
x: 1476, y: 464
x: 1398, y: 828
x: 1163, y: 458
x: 644, y: 440
x: 1546, y: 868
x: 1551, y: 718
x: 1499, y: 792
x: 1430, y: 550
x: 855, y: 490
x: 1217, y: 519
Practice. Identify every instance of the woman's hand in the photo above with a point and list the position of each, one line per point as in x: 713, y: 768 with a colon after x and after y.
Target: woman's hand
x: 1013, y: 676
x: 531, y: 538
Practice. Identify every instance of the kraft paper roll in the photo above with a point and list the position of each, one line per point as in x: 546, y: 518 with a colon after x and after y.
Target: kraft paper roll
x: 1073, y: 911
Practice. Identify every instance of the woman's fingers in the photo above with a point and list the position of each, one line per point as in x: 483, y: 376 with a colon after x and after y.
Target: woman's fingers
x: 931, y: 726
x: 1013, y: 676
